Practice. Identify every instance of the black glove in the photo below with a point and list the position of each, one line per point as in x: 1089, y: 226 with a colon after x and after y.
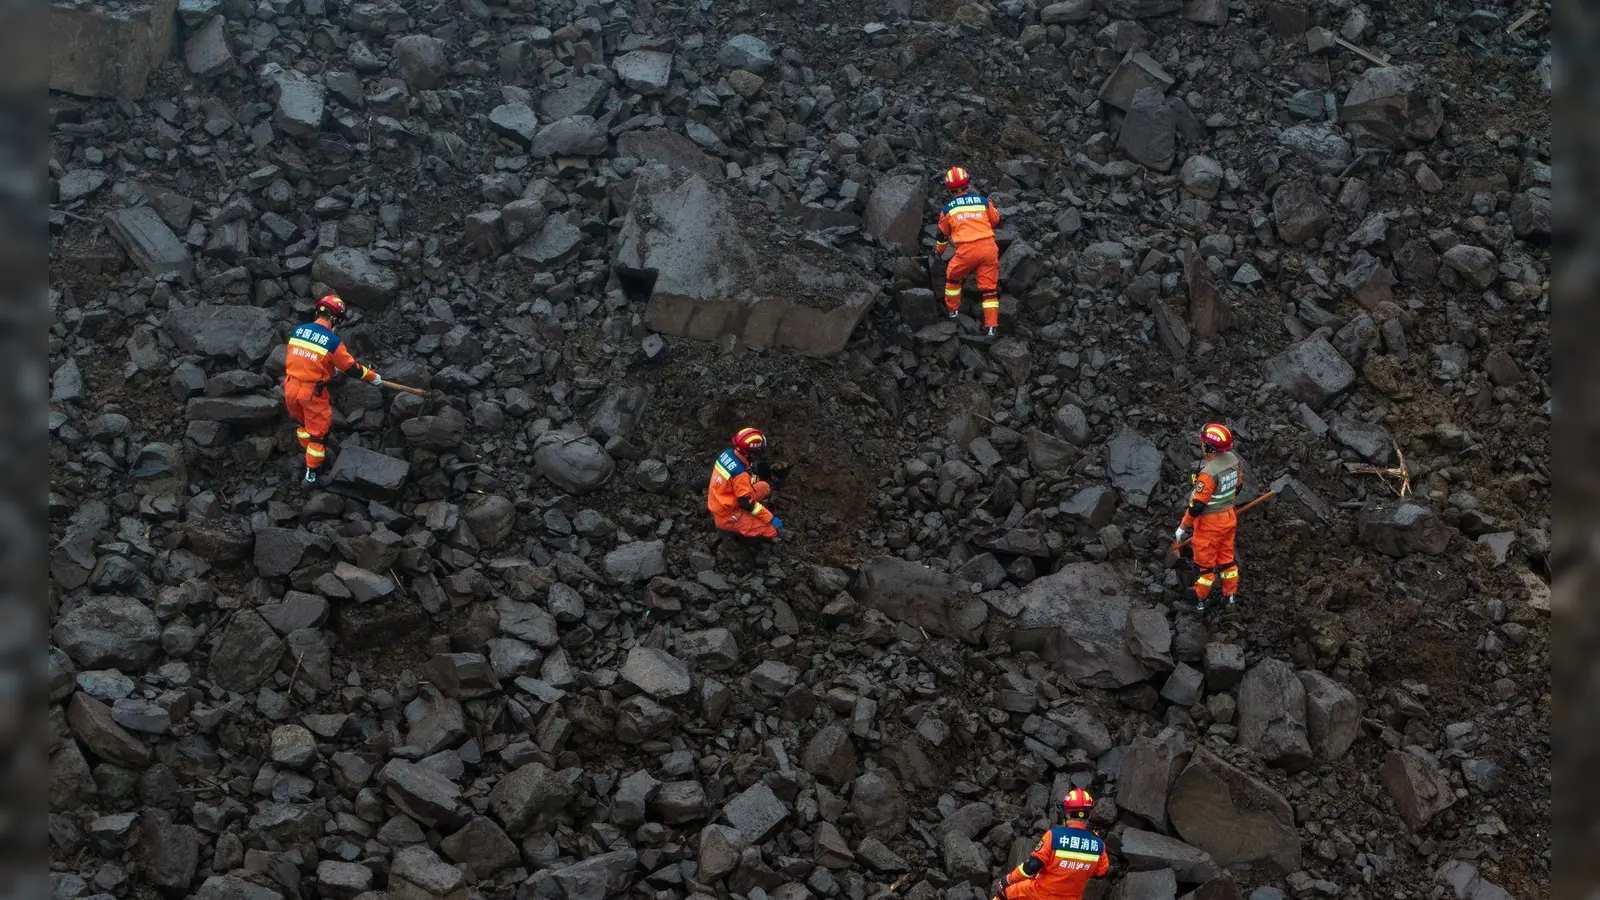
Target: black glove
x: 999, y: 889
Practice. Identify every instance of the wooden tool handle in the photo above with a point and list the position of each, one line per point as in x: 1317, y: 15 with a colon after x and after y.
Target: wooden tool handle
x: 1179, y: 545
x: 406, y: 388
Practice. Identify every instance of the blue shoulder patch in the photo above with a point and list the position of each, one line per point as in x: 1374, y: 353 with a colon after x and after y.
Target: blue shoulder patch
x: 729, y: 461
x: 1079, y: 840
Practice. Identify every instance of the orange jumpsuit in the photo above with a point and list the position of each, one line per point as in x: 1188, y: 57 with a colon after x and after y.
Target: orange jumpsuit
x: 1060, y: 867
x: 315, y: 354
x: 1211, y: 517
x: 969, y: 221
x: 736, y: 495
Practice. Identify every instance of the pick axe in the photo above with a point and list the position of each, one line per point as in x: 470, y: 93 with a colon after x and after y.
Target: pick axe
x: 1277, y: 487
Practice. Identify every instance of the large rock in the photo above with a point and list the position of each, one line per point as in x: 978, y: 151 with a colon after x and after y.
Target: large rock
x: 300, y: 102
x: 353, y: 275
x: 515, y: 121
x: 1333, y: 715
x: 598, y: 877
x: 417, y: 873
x: 367, y: 473
x: 279, y: 551
x: 150, y: 243
x: 576, y: 464
x: 830, y: 755
x: 1400, y: 527
x: 1140, y: 9
x: 1418, y: 784
x: 572, y: 136
x: 1135, y: 465
x: 1311, y: 371
x: 920, y: 596
x: 171, y: 852
x: 1150, y: 767
x: 1321, y: 145
x: 247, y: 654
x: 423, y: 794
x: 647, y: 71
x: 894, y: 212
x: 1150, y: 130
x: 1391, y: 104
x: 1084, y: 620
x: 658, y: 145
x: 1148, y: 851
x: 1299, y: 212
x: 98, y: 50
x: 250, y: 409
x: 109, y: 633
x: 532, y: 798
x: 245, y: 334
x: 1135, y: 72
x: 745, y: 51
x: 636, y: 561
x: 683, y: 245
x: 657, y: 673
x: 207, y: 51
x: 580, y: 97
x: 1272, y: 715
x: 1467, y: 883
x: 92, y: 724
x: 1232, y: 816
x: 755, y: 813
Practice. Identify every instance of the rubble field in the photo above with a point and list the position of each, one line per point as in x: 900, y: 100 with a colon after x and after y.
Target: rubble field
x: 501, y: 653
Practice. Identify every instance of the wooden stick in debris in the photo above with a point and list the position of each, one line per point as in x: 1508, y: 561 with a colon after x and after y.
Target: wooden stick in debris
x: 1522, y: 20
x: 1364, y: 54
x: 1399, y: 472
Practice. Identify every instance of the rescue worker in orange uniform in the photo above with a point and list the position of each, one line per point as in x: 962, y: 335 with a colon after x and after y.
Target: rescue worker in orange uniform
x: 315, y: 355
x: 1210, y: 516
x: 737, y: 498
x: 968, y: 221
x: 1067, y: 857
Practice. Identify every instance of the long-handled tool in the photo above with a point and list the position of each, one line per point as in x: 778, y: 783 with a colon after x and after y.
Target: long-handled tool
x: 404, y: 388
x: 1277, y: 487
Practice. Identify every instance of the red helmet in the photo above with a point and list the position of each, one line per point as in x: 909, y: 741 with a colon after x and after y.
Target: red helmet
x: 1077, y: 803
x: 957, y: 179
x: 1216, y: 438
x: 331, y: 306
x: 749, y: 440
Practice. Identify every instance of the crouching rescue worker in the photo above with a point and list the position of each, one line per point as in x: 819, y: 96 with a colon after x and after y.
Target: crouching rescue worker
x: 1067, y: 857
x: 737, y: 498
x: 315, y: 355
x: 968, y: 221
x: 1210, y: 516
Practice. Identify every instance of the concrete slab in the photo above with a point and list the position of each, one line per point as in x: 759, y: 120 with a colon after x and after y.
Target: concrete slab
x: 102, y: 50
x: 683, y: 244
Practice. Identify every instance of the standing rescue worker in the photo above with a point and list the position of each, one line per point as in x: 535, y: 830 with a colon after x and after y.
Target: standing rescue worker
x: 737, y: 497
x: 1211, y: 518
x: 968, y: 221
x: 315, y: 355
x: 1067, y: 857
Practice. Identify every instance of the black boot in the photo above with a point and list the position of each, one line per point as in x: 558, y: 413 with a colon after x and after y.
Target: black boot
x: 311, y: 476
x: 1194, y: 601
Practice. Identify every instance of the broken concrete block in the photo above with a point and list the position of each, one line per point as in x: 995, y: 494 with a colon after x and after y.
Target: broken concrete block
x: 149, y: 242
x: 95, y: 52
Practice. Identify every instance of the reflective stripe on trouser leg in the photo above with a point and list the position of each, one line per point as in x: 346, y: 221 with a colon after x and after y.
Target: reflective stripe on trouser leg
x: 1230, y: 580
x: 1202, y: 585
x: 991, y: 310
x: 952, y: 295
x: 315, y: 454
x: 304, y: 437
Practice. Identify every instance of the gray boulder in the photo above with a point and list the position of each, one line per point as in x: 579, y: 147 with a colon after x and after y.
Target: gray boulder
x: 1272, y: 715
x: 895, y: 211
x: 1233, y: 816
x: 636, y: 561
x: 921, y: 597
x: 1311, y: 371
x: 746, y: 51
x: 1393, y: 105
x: 1299, y: 212
x: 354, y: 276
x: 572, y: 136
x: 1084, y: 619
x: 244, y: 333
x: 1400, y: 527
x: 575, y: 463
x: 1135, y: 465
x: 109, y: 632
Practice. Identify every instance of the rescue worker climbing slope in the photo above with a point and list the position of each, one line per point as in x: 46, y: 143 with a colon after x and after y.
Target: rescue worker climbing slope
x: 968, y: 221
x: 737, y: 497
x: 1067, y: 857
x: 1211, y: 518
x: 315, y: 354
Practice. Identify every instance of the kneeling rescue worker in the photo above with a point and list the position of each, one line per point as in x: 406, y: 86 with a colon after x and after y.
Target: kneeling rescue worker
x: 1067, y: 857
x: 1211, y: 518
x: 315, y: 355
x: 736, y: 497
x: 968, y: 221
